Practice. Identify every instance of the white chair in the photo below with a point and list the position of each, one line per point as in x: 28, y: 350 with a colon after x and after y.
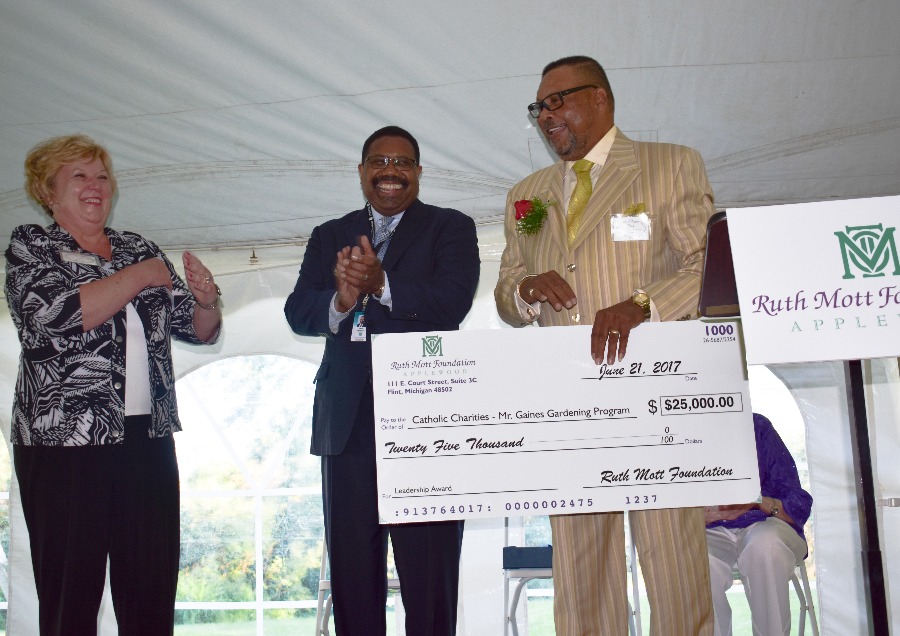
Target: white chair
x: 804, y: 595
x: 324, y: 601
x: 536, y: 563
x: 523, y: 576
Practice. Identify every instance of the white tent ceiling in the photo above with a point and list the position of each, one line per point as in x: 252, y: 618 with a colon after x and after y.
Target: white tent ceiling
x: 238, y: 124
x: 235, y: 123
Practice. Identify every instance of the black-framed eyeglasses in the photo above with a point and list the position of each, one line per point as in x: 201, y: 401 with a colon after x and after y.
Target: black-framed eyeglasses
x: 554, y: 101
x: 379, y: 162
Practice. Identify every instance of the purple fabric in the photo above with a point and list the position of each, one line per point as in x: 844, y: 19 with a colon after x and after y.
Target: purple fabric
x: 778, y: 478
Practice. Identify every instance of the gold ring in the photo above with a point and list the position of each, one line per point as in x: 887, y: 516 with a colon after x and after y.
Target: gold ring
x: 615, y: 331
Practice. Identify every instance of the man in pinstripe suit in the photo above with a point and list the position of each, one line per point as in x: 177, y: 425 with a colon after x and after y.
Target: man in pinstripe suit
x: 633, y: 253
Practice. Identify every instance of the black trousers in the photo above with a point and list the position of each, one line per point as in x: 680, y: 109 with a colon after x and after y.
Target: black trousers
x: 84, y: 504
x: 426, y: 554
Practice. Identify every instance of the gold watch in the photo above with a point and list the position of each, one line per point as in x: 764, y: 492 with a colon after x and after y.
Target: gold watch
x: 642, y: 300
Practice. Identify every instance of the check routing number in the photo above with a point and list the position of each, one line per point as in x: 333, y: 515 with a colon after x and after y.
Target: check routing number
x: 506, y: 422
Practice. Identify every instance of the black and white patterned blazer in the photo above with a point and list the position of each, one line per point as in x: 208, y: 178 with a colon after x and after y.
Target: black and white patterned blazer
x: 71, y: 385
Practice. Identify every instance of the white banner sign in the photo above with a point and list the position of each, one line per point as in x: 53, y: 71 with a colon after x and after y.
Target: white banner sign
x: 818, y: 281
x: 522, y: 422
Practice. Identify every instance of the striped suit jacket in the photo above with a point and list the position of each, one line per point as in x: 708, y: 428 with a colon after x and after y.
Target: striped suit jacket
x: 670, y: 181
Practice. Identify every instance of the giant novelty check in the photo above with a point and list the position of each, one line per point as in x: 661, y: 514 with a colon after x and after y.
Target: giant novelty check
x: 522, y: 422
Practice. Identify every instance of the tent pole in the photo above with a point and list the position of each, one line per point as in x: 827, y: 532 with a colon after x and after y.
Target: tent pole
x: 873, y: 568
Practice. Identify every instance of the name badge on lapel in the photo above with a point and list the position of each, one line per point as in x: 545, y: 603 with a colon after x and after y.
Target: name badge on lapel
x: 631, y: 227
x: 79, y: 257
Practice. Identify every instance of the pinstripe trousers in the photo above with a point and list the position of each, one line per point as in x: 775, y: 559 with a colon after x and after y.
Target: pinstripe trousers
x: 589, y: 573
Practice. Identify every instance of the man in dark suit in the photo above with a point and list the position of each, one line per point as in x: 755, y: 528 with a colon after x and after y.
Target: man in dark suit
x: 397, y: 265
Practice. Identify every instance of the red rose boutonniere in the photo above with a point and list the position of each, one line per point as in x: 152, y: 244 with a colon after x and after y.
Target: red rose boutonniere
x: 530, y: 215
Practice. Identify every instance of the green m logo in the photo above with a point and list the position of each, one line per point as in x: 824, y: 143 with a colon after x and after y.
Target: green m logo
x: 431, y: 346
x: 870, y: 249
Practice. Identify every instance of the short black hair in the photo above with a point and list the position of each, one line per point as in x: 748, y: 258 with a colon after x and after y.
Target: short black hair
x: 390, y: 131
x: 589, y: 68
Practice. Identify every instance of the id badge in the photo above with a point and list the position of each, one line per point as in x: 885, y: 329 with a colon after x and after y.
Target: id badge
x: 631, y: 227
x: 79, y: 257
x: 358, y: 333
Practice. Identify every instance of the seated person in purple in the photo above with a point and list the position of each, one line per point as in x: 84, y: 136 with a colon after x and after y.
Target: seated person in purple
x: 763, y: 540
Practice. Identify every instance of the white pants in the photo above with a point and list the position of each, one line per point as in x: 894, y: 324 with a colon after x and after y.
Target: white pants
x: 765, y: 554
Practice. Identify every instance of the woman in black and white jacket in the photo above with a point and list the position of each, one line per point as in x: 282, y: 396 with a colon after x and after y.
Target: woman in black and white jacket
x: 94, y: 408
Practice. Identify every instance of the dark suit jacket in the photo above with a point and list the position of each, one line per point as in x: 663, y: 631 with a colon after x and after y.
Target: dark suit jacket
x: 432, y: 266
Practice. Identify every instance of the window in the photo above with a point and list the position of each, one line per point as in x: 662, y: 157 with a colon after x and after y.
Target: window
x: 251, y: 506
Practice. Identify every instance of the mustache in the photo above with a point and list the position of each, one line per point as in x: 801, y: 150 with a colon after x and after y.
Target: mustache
x: 549, y: 122
x: 390, y: 179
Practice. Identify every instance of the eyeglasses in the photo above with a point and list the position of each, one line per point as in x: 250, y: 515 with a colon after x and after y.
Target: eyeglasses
x: 378, y: 162
x: 554, y: 101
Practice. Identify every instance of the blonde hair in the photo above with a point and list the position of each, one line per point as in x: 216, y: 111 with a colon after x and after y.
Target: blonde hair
x: 44, y: 161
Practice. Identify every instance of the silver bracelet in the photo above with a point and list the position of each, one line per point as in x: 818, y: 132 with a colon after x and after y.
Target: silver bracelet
x: 214, y: 303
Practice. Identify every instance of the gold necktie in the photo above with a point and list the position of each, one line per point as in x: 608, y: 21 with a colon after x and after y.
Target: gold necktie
x: 580, y: 196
